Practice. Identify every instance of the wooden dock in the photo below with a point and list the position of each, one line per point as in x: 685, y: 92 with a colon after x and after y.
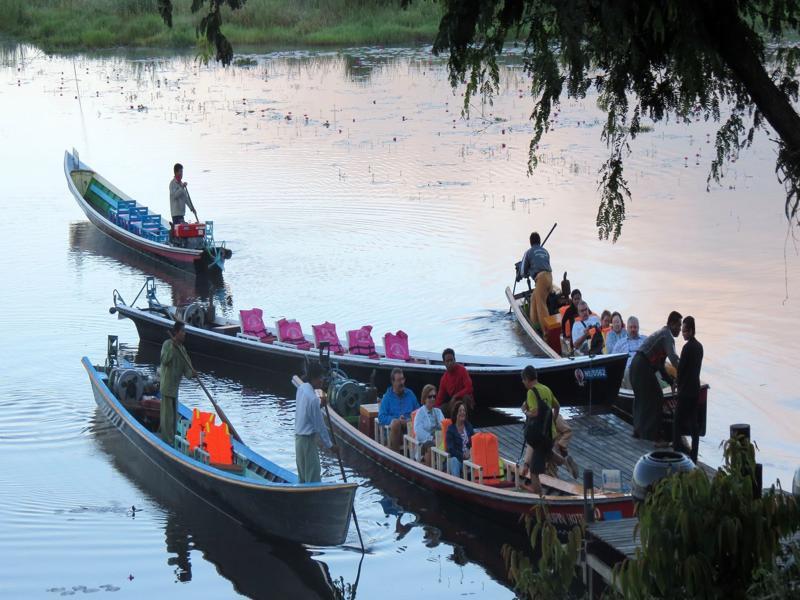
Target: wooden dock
x: 599, y: 441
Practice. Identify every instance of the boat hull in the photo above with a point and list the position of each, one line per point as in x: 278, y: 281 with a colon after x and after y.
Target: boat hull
x: 191, y: 260
x: 316, y: 514
x: 497, y: 385
x: 624, y: 402
x: 498, y: 504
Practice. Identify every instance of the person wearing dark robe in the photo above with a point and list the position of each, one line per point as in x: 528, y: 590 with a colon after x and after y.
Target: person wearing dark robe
x: 685, y: 421
x: 648, y: 397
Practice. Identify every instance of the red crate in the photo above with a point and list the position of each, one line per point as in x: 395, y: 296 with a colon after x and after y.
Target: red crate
x: 189, y: 230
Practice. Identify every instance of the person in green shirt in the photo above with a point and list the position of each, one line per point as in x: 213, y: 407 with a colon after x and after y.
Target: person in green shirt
x: 174, y: 364
x: 536, y: 459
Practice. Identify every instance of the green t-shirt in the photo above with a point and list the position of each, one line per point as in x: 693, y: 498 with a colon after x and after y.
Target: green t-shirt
x: 547, y: 397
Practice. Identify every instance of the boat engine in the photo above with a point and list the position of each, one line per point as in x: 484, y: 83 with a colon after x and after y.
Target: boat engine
x: 127, y: 385
x: 194, y: 314
x: 347, y: 395
x: 653, y: 467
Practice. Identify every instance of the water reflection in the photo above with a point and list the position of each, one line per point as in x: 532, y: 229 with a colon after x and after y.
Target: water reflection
x: 475, y: 538
x: 258, y: 568
x: 87, y: 244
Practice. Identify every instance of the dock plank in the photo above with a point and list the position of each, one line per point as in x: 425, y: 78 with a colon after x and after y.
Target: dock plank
x: 599, y: 441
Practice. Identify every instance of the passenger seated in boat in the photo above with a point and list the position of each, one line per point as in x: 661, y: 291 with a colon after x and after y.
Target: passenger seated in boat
x: 459, y: 440
x: 396, y: 407
x: 584, y: 329
x: 616, y: 333
x: 455, y: 385
x: 550, y: 449
x: 630, y: 344
x: 427, y: 422
x: 179, y: 196
x: 570, y: 314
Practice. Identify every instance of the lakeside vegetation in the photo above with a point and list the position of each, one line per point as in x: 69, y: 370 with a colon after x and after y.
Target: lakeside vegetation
x: 97, y: 24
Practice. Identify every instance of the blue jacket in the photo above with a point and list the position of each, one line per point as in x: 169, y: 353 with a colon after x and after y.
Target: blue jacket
x: 454, y: 442
x: 393, y: 406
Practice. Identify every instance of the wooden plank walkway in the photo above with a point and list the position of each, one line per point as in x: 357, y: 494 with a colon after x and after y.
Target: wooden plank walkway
x: 599, y: 441
x: 618, y: 535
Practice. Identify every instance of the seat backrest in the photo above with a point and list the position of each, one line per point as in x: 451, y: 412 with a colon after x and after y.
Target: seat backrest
x: 253, y: 322
x: 411, y: 427
x: 360, y: 341
x: 445, y: 426
x: 218, y: 444
x: 327, y: 333
x: 290, y: 331
x: 486, y: 453
x: 396, y: 345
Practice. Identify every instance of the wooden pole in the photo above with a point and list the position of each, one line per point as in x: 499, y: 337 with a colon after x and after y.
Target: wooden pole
x: 219, y: 410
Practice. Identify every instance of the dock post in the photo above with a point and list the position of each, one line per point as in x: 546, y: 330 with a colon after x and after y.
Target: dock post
x: 588, y: 488
x: 740, y: 429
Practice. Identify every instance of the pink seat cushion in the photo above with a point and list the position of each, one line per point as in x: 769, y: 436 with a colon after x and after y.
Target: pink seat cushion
x: 253, y: 324
x: 291, y: 331
x: 396, y: 345
x: 327, y: 333
x: 360, y: 342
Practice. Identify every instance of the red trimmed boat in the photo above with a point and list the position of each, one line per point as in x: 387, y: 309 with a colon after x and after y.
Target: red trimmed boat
x: 189, y: 246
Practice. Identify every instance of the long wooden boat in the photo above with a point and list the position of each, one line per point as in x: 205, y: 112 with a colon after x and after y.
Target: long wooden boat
x: 261, y: 495
x: 625, y: 401
x: 191, y: 525
x: 148, y: 233
x: 496, y: 381
x: 564, y: 500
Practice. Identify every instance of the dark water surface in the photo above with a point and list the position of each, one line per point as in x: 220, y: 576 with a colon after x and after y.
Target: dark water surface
x: 399, y: 213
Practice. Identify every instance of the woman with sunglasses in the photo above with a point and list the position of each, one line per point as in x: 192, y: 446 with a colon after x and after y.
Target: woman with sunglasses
x: 427, y: 422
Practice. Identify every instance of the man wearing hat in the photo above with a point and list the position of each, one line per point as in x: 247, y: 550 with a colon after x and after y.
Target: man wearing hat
x: 174, y: 366
x: 309, y: 427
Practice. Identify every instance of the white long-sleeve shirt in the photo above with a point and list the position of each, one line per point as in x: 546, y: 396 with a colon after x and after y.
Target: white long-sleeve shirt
x: 308, y: 414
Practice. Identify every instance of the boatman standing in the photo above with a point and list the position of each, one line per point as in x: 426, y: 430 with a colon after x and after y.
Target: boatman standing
x: 174, y: 365
x: 309, y: 427
x: 179, y: 196
x: 536, y: 265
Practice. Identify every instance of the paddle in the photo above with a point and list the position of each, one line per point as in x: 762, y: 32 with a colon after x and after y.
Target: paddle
x: 219, y: 410
x: 297, y: 383
x: 192, y: 203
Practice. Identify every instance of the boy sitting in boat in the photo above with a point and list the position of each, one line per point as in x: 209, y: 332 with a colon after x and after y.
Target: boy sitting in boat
x: 455, y: 384
x: 396, y: 407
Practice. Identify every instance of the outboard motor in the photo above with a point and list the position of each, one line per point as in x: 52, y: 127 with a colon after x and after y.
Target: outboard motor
x: 194, y: 314
x: 127, y: 385
x: 653, y: 467
x: 347, y: 395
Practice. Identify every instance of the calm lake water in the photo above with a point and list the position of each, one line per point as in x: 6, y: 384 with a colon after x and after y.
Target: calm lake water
x: 350, y: 188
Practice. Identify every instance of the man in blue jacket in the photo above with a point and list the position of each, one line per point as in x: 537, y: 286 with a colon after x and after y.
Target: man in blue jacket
x: 396, y: 407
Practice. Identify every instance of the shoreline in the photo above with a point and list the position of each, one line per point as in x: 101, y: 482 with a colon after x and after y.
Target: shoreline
x: 88, y: 25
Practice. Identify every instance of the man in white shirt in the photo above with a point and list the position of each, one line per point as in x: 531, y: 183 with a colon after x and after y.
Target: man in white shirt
x: 584, y: 328
x: 309, y: 426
